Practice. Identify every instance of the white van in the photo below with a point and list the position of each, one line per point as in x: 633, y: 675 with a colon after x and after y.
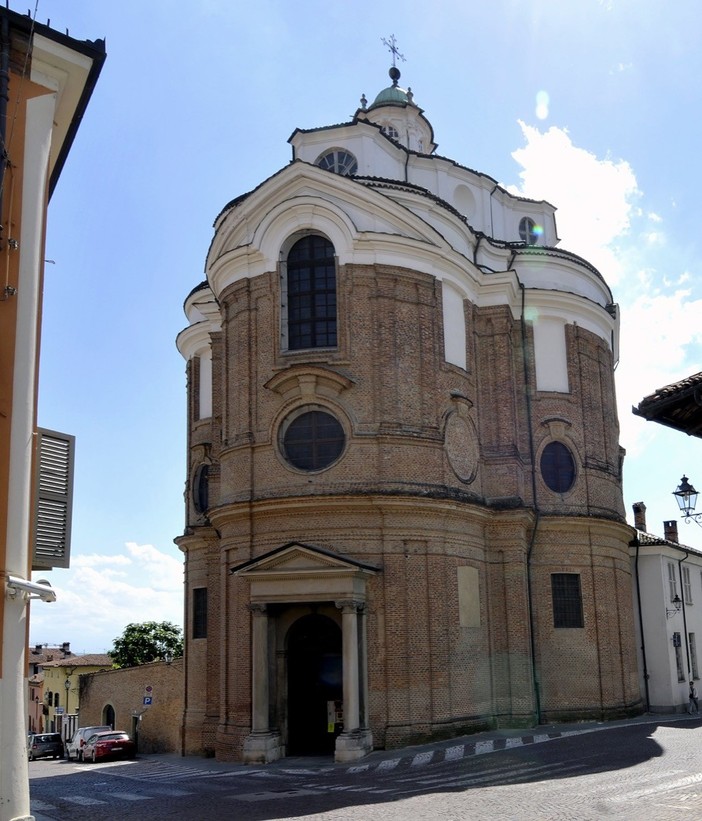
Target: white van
x: 74, y: 747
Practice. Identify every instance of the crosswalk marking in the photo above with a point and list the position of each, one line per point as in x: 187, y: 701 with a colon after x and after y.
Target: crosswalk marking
x: 83, y: 800
x: 422, y: 758
x: 454, y: 753
x: 130, y: 796
x: 389, y: 764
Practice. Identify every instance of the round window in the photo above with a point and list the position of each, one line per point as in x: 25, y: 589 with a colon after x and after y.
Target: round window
x: 558, y: 467
x: 313, y: 440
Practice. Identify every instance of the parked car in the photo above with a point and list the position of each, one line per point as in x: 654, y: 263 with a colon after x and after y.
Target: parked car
x: 114, y: 744
x: 74, y: 748
x: 45, y: 745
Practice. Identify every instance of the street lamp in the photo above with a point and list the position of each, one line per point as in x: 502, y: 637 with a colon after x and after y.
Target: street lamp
x: 686, y: 497
x: 677, y: 604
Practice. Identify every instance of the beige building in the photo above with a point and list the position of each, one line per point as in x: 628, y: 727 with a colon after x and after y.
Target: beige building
x: 144, y: 701
x: 404, y: 509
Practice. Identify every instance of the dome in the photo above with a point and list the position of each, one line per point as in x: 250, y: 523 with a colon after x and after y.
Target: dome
x: 393, y: 95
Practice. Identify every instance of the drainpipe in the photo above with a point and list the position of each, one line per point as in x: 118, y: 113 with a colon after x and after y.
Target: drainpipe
x: 532, y: 541
x: 4, y: 99
x: 682, y: 590
x: 635, y: 542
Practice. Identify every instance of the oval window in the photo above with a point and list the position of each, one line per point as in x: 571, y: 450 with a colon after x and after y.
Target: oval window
x: 313, y: 440
x: 558, y: 467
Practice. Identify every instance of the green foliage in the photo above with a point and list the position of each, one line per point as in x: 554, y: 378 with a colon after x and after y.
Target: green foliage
x: 148, y: 641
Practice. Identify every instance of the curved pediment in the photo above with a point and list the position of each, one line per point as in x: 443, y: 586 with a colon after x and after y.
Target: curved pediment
x: 354, y: 216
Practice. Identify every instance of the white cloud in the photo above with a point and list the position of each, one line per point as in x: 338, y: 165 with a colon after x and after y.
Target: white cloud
x: 101, y: 594
x: 602, y: 217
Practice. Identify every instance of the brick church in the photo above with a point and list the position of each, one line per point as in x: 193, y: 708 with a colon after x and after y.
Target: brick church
x: 404, y: 492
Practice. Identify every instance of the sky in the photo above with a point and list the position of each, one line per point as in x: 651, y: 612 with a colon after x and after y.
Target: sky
x: 593, y: 105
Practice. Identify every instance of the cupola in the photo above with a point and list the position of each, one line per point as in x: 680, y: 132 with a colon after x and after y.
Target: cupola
x: 399, y: 117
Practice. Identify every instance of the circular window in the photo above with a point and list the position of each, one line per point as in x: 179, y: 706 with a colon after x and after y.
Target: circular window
x: 313, y: 440
x: 558, y: 467
x: 340, y: 162
x: 529, y: 231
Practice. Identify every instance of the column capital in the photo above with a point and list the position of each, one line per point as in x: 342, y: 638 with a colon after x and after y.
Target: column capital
x: 350, y: 605
x: 258, y: 608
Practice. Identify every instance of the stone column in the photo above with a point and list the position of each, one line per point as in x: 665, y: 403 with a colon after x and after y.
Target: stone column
x: 263, y: 745
x: 354, y: 742
x: 352, y: 689
x: 259, y: 671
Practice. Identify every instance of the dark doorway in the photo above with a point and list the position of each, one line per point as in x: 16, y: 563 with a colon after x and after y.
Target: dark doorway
x: 314, y: 681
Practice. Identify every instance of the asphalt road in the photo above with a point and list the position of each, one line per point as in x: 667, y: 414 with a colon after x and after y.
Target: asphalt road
x: 632, y: 773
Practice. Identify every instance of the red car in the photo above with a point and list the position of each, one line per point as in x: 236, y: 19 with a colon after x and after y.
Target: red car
x: 113, y: 744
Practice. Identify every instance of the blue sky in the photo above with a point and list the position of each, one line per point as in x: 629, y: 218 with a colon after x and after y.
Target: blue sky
x: 195, y: 105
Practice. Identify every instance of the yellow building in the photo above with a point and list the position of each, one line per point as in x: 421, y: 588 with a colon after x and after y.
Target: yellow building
x: 62, y: 691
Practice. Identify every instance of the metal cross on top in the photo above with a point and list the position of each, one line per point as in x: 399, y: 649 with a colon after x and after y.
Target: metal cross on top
x: 391, y: 44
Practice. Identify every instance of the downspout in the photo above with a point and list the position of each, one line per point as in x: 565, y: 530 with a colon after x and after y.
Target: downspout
x: 532, y: 541
x: 682, y: 590
x: 492, y: 227
x: 407, y: 156
x: 4, y: 99
x: 635, y: 542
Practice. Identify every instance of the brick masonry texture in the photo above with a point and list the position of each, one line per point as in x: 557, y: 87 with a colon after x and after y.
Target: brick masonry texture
x: 397, y: 501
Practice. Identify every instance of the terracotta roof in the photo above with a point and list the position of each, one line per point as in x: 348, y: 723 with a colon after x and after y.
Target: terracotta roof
x: 677, y: 405
x: 650, y: 540
x: 89, y: 660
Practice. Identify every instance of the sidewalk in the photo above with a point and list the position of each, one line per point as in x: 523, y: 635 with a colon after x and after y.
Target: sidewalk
x: 423, y: 754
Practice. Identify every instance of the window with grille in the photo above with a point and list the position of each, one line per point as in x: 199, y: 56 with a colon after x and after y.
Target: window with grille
x: 200, y: 613
x: 312, y: 440
x: 567, y: 600
x: 311, y: 294
x: 678, y: 656
x: 693, y: 655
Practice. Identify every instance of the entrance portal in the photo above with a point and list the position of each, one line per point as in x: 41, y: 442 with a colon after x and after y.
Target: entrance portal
x: 314, y: 684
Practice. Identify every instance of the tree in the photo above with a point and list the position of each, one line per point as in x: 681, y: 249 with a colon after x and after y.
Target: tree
x: 148, y: 641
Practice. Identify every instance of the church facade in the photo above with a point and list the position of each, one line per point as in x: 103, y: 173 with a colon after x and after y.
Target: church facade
x: 404, y: 506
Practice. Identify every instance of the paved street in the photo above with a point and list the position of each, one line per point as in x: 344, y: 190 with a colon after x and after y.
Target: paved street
x: 633, y: 771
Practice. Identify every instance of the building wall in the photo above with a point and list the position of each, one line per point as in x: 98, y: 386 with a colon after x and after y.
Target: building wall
x: 439, y: 488
x: 160, y: 726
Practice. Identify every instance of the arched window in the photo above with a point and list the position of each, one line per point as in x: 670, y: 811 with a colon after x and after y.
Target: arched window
x: 529, y: 231
x: 338, y: 161
x: 201, y: 488
x: 311, y: 275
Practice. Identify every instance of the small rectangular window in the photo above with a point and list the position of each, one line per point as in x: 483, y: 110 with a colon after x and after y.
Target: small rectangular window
x: 200, y: 613
x: 567, y: 600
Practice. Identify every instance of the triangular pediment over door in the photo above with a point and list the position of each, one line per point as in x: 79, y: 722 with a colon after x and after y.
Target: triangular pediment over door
x: 297, y: 572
